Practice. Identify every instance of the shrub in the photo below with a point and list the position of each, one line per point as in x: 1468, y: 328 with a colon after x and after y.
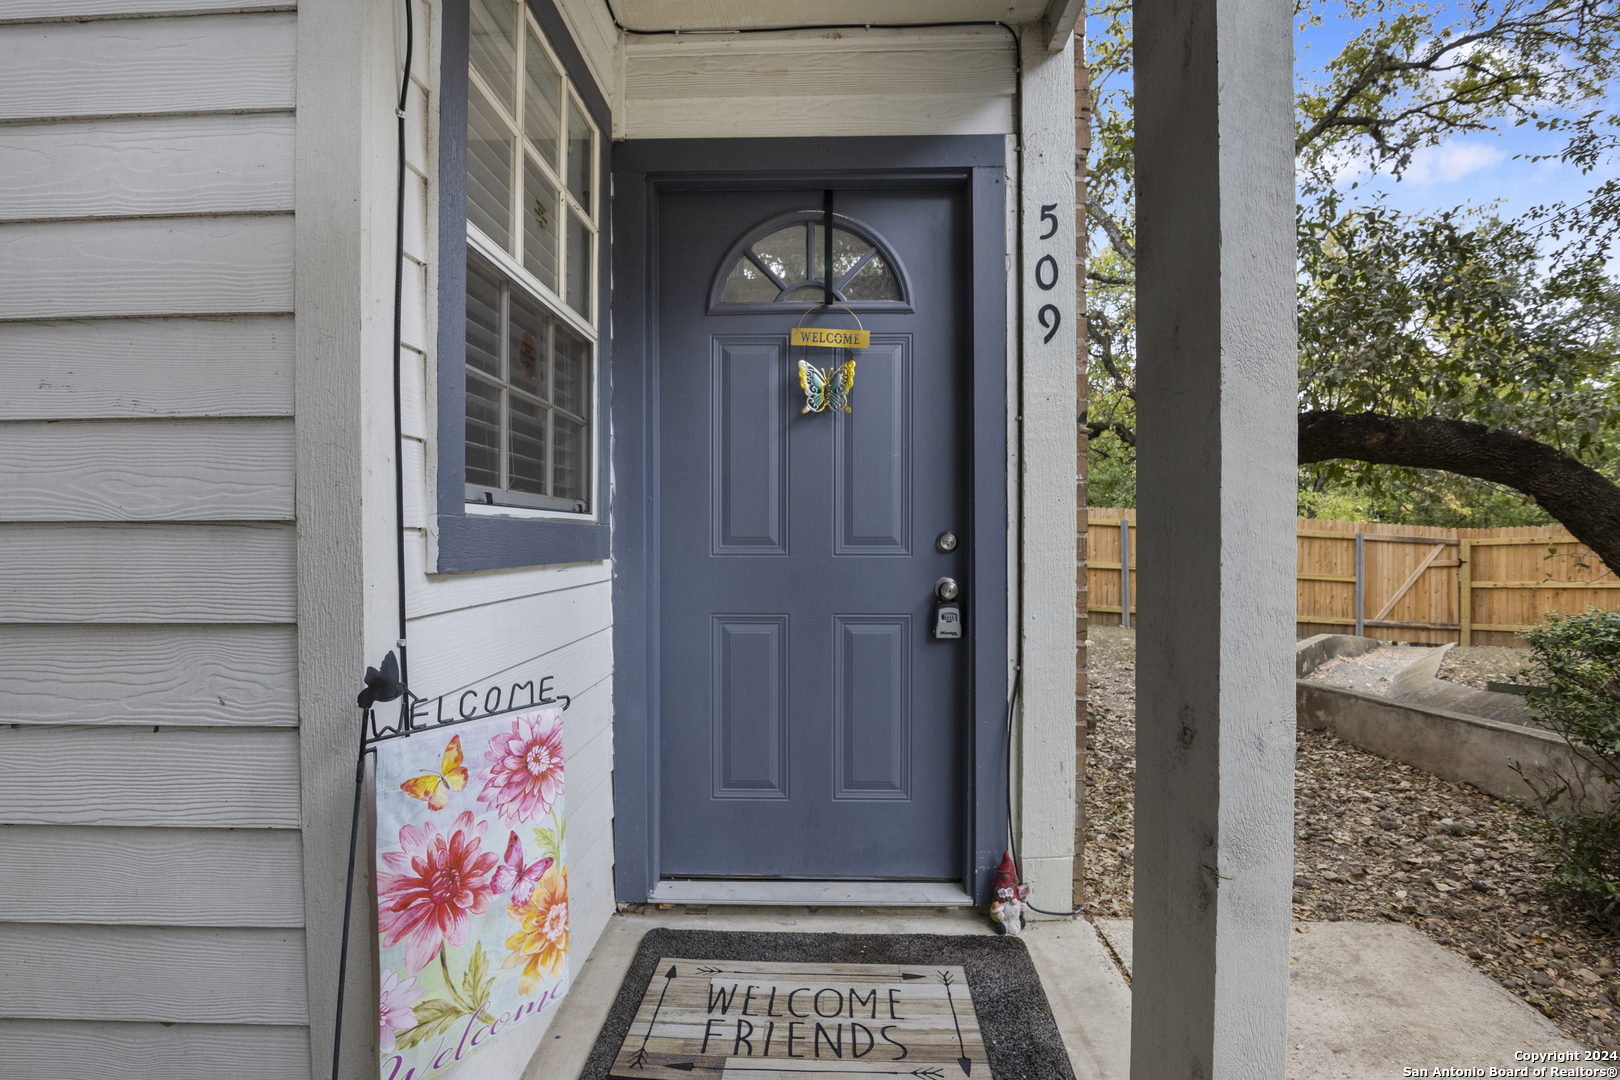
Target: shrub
x: 1577, y: 664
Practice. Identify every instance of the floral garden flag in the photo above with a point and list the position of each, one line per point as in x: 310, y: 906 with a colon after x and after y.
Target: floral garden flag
x: 472, y: 887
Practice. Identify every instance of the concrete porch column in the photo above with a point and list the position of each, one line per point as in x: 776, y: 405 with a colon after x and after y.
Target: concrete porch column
x: 1216, y: 480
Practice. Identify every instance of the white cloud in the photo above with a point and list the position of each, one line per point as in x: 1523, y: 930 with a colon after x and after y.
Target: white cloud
x: 1451, y: 162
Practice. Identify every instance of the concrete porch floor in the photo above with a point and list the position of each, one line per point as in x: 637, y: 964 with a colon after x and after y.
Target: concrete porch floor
x: 1366, y: 1000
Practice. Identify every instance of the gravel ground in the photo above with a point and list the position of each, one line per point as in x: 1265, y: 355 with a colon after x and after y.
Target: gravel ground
x: 1479, y: 664
x: 1372, y: 672
x: 1375, y: 839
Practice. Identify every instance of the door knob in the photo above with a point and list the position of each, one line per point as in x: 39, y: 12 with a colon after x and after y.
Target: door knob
x: 945, y: 588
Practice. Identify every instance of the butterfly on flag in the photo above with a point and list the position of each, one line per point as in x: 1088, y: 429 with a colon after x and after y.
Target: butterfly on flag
x: 512, y: 874
x: 435, y: 788
x: 826, y: 388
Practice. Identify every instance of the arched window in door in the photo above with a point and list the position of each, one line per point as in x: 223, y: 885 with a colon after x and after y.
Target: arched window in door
x: 780, y: 263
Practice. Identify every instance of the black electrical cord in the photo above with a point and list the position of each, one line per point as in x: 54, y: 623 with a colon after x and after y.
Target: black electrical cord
x: 613, y: 15
x: 399, y: 303
x: 1012, y: 836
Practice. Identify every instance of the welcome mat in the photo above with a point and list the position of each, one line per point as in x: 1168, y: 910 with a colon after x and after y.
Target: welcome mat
x: 719, y: 1005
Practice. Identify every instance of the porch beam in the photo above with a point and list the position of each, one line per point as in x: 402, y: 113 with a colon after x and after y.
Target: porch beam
x: 1057, y: 24
x: 1216, y: 476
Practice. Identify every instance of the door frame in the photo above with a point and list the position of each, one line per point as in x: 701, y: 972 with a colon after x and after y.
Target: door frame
x: 974, y: 164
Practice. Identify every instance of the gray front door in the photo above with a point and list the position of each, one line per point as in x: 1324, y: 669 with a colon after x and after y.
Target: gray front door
x: 810, y: 726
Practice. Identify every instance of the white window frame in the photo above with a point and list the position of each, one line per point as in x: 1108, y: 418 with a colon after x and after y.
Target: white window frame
x: 481, y: 498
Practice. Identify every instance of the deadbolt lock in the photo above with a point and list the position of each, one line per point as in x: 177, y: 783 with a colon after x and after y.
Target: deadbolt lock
x: 945, y: 542
x: 947, y: 610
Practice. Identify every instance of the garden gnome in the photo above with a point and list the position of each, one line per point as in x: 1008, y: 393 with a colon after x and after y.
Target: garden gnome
x: 1007, y: 910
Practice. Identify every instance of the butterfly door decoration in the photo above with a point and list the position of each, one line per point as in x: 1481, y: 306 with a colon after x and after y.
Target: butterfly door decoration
x: 435, y: 788
x: 826, y: 388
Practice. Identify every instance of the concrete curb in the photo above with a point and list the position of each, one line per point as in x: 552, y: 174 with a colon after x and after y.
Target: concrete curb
x: 1457, y: 746
x: 1461, y: 748
x: 1313, y: 652
x: 1419, y: 684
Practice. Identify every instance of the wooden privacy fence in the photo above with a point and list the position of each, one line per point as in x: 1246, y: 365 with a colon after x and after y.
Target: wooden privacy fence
x: 1396, y: 582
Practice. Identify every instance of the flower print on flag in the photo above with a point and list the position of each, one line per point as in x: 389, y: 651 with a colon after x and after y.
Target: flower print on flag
x: 525, y: 773
x: 543, y: 941
x: 396, y: 1000
x: 431, y: 888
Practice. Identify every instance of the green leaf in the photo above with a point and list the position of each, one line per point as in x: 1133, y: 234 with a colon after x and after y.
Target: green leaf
x: 477, y: 971
x: 434, y: 1017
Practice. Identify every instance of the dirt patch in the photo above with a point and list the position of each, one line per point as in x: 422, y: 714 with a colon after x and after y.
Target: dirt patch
x: 1477, y: 665
x: 1370, y: 673
x: 1375, y: 839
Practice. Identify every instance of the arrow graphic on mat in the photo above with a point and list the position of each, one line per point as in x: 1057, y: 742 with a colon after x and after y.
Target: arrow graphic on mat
x: 641, y: 1054
x: 964, y: 1061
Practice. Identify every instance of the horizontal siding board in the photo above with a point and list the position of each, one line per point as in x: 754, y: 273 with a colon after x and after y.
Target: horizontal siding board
x: 887, y: 82
x: 148, y: 573
x: 416, y: 113
x: 415, y: 454
x: 209, y: 63
x: 429, y: 595
x: 577, y: 668
x: 40, y: 10
x: 77, y: 1049
x: 742, y: 71
x: 152, y: 877
x: 152, y: 973
x: 413, y: 309
x: 174, y: 266
x: 456, y: 649
x: 202, y: 676
x: 900, y: 114
x: 143, y: 470
x: 652, y: 15
x: 163, y: 778
x: 416, y: 211
x: 111, y: 368
x: 413, y: 393
x: 149, y: 167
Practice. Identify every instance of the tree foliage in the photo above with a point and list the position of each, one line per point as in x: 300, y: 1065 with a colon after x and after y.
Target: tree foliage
x: 1438, y: 316
x: 1576, y: 664
x: 1497, y: 326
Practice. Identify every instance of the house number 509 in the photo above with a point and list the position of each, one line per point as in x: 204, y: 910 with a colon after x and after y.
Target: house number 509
x: 1046, y: 277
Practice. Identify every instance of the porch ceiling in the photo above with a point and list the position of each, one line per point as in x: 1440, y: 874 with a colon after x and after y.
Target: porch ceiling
x: 694, y: 15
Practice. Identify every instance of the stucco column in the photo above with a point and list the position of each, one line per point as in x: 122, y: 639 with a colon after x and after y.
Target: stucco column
x: 1044, y: 760
x: 1215, y: 482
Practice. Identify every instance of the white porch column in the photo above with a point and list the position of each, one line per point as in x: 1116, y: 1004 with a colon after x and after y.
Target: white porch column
x: 1044, y: 769
x: 1216, y: 480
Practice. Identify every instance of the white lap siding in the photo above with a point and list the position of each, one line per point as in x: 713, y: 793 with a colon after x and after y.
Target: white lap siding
x: 151, y: 906
x: 942, y: 81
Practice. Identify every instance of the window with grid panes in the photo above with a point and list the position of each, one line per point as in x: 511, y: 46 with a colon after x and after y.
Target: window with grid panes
x: 531, y: 258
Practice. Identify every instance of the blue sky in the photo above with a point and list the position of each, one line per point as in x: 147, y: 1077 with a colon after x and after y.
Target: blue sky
x: 1477, y: 170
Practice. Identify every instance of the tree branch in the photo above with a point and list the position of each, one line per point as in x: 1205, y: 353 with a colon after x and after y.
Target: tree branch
x: 1103, y: 338
x: 1116, y: 236
x: 1127, y: 435
x: 1579, y: 498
